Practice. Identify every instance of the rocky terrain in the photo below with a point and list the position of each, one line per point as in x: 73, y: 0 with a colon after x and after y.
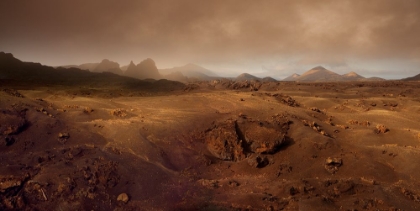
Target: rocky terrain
x: 77, y: 140
x: 220, y: 145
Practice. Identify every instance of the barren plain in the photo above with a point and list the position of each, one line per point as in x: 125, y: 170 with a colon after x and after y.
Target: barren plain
x: 218, y: 145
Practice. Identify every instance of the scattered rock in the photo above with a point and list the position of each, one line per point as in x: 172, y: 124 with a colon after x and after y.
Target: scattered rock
x: 345, y: 127
x: 9, y: 140
x: 293, y: 191
x: 242, y: 99
x: 88, y: 110
x: 42, y: 110
x: 209, y: 183
x: 63, y: 135
x: 363, y: 123
x: 119, y: 112
x: 368, y: 181
x: 269, y: 197
x: 285, y: 99
x: 242, y: 115
x: 284, y: 168
x: 12, y: 122
x: 233, y: 183
x: 9, y: 182
x: 258, y: 161
x: 13, y: 93
x: 315, y: 127
x: 393, y: 104
x: 381, y: 129
x: 71, y: 106
x: 10, y: 192
x: 332, y: 164
x: 315, y: 109
x: 123, y: 197
x: 409, y: 194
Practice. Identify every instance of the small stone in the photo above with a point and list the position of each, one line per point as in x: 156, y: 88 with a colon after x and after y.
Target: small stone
x: 381, y: 129
x: 64, y: 135
x: 316, y: 109
x: 123, y: 197
x: 332, y: 164
x: 242, y: 115
x: 258, y: 162
x: 9, y: 141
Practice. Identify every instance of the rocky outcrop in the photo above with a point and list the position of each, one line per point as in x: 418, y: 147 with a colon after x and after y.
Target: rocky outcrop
x: 145, y: 69
x: 236, y: 140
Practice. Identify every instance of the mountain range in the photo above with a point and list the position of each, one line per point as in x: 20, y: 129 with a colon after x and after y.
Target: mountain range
x: 188, y: 73
x: 147, y: 70
x: 249, y: 77
x: 320, y: 74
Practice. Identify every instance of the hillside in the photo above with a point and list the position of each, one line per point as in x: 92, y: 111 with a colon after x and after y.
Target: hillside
x: 413, y: 78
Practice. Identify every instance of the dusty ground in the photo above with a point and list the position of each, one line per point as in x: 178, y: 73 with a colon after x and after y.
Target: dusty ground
x: 273, y: 146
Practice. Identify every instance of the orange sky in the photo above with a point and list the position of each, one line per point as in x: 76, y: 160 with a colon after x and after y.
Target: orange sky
x: 277, y: 38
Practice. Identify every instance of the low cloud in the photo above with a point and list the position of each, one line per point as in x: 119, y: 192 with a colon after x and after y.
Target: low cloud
x: 325, y: 32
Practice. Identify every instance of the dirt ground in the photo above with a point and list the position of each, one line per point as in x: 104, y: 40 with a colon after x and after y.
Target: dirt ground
x: 212, y: 146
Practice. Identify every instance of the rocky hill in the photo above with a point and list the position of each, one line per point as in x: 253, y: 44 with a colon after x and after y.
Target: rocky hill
x: 144, y: 70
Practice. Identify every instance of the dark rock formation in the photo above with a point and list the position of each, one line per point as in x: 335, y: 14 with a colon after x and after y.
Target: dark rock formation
x: 145, y: 69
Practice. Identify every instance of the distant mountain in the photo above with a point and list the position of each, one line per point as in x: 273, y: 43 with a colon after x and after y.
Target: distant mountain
x: 191, y: 71
x: 413, y: 78
x: 36, y: 74
x: 144, y: 70
x: 85, y: 66
x: 292, y: 77
x: 88, y: 66
x: 108, y: 66
x: 320, y: 74
x: 268, y: 79
x: 246, y: 77
x: 103, y: 66
x: 176, y: 76
x: 352, y: 76
x: 124, y: 68
x: 12, y: 68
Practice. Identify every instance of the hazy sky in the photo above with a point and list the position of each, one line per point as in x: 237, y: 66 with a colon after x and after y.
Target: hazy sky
x: 277, y: 38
